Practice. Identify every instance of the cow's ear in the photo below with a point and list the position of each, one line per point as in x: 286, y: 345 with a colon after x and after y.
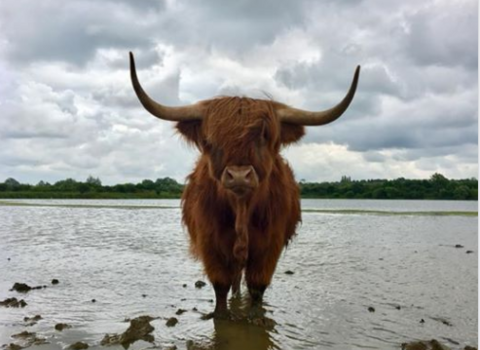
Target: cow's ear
x: 192, y: 131
x: 291, y: 133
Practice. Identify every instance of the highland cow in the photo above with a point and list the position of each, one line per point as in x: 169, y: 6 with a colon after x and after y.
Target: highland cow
x: 241, y: 203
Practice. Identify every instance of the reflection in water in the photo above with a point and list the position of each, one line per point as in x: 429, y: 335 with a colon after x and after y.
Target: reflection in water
x: 247, y: 328
x: 241, y: 334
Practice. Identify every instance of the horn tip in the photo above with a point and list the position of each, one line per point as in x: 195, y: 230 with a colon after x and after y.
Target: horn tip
x: 356, y: 75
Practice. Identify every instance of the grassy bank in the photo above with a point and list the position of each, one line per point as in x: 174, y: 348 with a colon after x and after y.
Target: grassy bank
x: 319, y: 211
x: 88, y: 195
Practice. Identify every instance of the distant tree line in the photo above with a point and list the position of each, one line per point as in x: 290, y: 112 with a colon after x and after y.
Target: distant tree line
x: 437, y: 187
x: 92, y: 188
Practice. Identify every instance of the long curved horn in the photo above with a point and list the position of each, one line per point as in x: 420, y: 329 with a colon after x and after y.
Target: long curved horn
x: 175, y: 114
x: 298, y: 116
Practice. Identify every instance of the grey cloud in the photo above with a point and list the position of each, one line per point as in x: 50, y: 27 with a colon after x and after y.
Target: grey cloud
x: 445, y: 35
x: 164, y: 91
x: 443, y: 164
x: 70, y: 31
x: 73, y: 31
x: 10, y: 160
x: 31, y: 134
x: 375, y: 134
x: 239, y: 25
x: 416, y: 101
x: 374, y: 79
x: 144, y: 58
x: 423, y: 129
x: 465, y: 153
x: 141, y: 6
x: 82, y: 161
x: 417, y: 81
x: 374, y: 157
x: 375, y: 138
x: 323, y: 93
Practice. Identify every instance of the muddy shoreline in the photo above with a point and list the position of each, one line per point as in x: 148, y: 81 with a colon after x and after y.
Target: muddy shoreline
x: 140, y: 329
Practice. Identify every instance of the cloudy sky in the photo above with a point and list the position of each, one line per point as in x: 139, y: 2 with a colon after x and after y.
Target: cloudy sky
x: 68, y: 109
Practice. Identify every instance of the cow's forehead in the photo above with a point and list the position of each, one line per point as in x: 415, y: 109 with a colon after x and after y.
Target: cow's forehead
x: 231, y: 118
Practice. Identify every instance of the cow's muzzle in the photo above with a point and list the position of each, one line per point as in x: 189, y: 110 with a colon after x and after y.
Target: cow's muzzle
x: 239, y: 179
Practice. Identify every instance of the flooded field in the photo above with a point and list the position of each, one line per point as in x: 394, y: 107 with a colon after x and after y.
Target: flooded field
x: 362, y: 275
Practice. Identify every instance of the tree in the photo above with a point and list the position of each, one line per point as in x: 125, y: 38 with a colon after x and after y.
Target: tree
x: 438, y: 181
x: 12, y: 184
x: 392, y: 192
x: 147, y: 185
x: 461, y: 192
x: 83, y: 187
x: 93, y: 181
x: 42, y: 186
x: 68, y: 185
x: 379, y: 193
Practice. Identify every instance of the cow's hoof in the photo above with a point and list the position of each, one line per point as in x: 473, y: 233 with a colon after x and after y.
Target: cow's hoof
x: 217, y: 315
x: 208, y: 316
x: 222, y: 315
x: 256, y: 311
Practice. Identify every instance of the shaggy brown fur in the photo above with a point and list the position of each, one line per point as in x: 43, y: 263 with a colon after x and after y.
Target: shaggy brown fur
x: 231, y: 235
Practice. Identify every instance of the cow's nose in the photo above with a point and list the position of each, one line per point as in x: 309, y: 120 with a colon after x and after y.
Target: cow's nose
x: 239, y: 177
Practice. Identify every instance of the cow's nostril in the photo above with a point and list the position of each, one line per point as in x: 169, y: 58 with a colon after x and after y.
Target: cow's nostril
x: 230, y: 175
x: 248, y: 174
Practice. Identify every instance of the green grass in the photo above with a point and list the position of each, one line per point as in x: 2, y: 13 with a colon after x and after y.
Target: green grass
x: 319, y: 211
x: 94, y: 206
x: 396, y: 213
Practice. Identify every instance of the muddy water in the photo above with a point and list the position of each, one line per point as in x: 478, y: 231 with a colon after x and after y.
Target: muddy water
x: 135, y: 262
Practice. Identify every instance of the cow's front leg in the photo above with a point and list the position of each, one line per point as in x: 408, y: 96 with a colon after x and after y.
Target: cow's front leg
x: 221, y: 292
x: 260, y: 268
x: 256, y: 289
x: 220, y: 273
x: 256, y: 294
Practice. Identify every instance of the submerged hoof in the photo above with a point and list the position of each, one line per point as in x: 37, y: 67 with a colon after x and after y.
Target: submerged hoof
x: 222, y: 315
x: 207, y: 317
x: 217, y: 315
x: 256, y: 312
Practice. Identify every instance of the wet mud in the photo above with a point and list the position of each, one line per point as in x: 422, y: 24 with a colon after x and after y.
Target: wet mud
x: 13, y: 302
x: 200, y: 284
x: 24, y: 288
x: 26, y: 339
x: 78, y: 346
x: 139, y: 329
x: 61, y: 326
x: 32, y: 321
x: 172, y: 322
x: 430, y: 345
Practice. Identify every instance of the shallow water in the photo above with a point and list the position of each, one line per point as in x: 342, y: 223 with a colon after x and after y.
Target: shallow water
x: 342, y: 263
